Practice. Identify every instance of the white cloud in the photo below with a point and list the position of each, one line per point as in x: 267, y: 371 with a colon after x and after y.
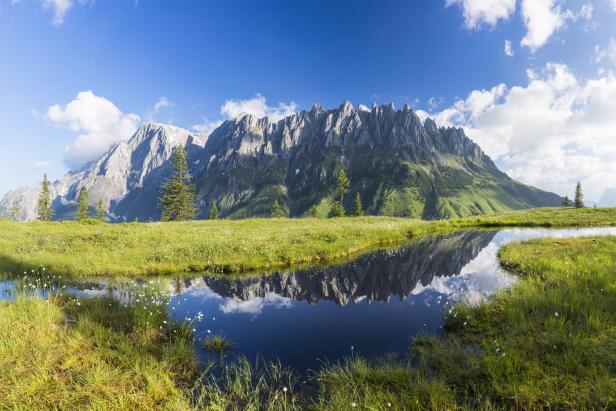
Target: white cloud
x: 489, y: 12
x: 41, y: 164
x: 59, y: 8
x: 207, y: 126
x: 613, y: 3
x: 99, y: 122
x: 606, y: 53
x: 542, y: 18
x: 257, y: 106
x: 161, y: 103
x: 508, y: 48
x: 550, y: 133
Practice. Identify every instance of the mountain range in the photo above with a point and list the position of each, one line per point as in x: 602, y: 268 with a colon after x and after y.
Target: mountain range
x: 400, y: 165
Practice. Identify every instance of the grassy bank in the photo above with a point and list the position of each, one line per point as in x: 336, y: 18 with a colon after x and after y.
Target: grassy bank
x: 90, y: 354
x: 548, y: 343
x: 136, y: 249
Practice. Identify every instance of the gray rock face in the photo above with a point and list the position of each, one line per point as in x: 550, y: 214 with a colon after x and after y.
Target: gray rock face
x: 126, y: 167
x: 398, y: 164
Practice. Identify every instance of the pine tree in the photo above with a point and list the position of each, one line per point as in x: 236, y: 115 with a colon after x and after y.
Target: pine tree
x: 213, y: 212
x: 16, y: 211
x: 277, y: 211
x: 44, y: 210
x: 566, y: 202
x: 83, y: 208
x: 342, y: 186
x: 337, y: 210
x: 578, y: 202
x: 178, y: 197
x: 101, y: 212
x: 359, y: 211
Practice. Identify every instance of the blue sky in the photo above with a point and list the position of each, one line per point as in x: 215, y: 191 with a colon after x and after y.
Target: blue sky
x: 197, y: 63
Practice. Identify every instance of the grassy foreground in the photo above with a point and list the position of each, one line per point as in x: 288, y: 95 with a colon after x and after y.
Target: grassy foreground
x: 548, y: 343
x: 137, y: 249
x: 89, y: 354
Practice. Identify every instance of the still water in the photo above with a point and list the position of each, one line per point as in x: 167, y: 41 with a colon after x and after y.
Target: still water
x: 373, y: 305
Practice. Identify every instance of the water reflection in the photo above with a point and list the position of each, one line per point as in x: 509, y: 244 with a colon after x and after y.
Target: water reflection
x: 374, y: 277
x: 303, y: 317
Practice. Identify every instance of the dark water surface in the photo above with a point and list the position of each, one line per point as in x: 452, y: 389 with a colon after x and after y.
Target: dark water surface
x: 373, y: 305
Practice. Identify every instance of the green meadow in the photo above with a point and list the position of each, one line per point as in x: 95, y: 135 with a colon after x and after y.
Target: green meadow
x: 229, y: 246
x: 547, y: 343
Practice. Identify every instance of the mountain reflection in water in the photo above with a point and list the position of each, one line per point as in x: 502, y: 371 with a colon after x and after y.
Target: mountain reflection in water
x: 375, y: 277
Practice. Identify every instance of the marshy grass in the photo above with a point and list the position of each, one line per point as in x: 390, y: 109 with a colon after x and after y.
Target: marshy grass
x: 239, y: 386
x: 231, y: 246
x: 65, y: 353
x: 547, y: 343
x: 217, y: 344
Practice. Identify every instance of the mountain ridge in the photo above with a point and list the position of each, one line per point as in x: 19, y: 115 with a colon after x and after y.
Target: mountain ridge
x: 399, y: 164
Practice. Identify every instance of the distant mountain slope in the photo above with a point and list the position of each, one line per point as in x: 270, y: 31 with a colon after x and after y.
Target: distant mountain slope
x: 399, y: 165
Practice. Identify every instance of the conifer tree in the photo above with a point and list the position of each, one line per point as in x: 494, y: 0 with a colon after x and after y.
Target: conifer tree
x: 277, y: 211
x: 83, y: 209
x: 101, y: 212
x: 44, y: 210
x: 342, y: 187
x: 578, y: 202
x: 178, y: 197
x: 213, y: 212
x: 358, y: 211
x: 337, y: 210
x: 342, y: 184
x: 566, y: 202
x: 16, y: 211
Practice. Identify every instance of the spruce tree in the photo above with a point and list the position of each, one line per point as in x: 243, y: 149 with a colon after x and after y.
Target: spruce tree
x: 578, y: 202
x: 178, y: 197
x: 83, y: 208
x: 566, y: 202
x: 337, y: 210
x: 44, y: 210
x: 342, y: 186
x: 277, y: 211
x: 16, y: 211
x: 101, y: 212
x: 359, y: 211
x: 213, y: 212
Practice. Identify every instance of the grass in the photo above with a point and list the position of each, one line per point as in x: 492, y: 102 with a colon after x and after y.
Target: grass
x: 548, y: 343
x: 218, y: 344
x: 229, y: 246
x: 65, y: 353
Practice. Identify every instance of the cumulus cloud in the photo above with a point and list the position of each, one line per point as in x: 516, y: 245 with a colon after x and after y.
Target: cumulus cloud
x: 552, y: 132
x: 508, y: 48
x: 542, y: 18
x: 256, y: 106
x: 477, y: 12
x: 98, y: 121
x: 207, y: 126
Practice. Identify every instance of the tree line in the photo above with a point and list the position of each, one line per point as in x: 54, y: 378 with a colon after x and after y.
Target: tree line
x: 578, y: 198
x: 178, y: 198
